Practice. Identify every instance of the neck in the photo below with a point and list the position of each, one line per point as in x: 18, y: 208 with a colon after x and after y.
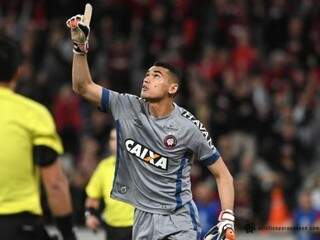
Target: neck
x: 161, y: 109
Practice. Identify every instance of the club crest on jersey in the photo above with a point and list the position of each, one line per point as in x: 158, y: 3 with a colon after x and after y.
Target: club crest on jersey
x: 170, y: 141
x: 145, y: 154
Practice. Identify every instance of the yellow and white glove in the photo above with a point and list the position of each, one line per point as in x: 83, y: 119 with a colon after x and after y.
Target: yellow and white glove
x: 80, y: 30
x: 224, y: 230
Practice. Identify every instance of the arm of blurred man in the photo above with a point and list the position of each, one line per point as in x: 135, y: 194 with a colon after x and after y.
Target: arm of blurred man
x: 47, y: 147
x: 95, y: 192
x: 91, y: 214
x: 57, y: 189
x: 58, y: 195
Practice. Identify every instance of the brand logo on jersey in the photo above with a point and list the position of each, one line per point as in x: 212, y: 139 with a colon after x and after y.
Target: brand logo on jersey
x: 201, y: 127
x: 170, y: 141
x: 145, y: 154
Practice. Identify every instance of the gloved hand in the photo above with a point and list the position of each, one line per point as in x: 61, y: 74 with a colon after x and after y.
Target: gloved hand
x: 92, y: 217
x: 224, y: 230
x: 80, y: 30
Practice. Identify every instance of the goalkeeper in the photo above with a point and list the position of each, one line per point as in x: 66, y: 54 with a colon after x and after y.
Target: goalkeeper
x: 156, y: 140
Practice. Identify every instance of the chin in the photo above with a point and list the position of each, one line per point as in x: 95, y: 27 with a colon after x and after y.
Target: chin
x: 145, y: 96
x: 142, y: 95
x: 148, y: 97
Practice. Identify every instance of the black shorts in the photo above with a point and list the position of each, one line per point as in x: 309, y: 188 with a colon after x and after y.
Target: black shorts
x: 118, y: 233
x: 22, y: 226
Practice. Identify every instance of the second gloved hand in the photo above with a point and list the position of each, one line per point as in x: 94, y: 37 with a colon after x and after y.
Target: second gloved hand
x: 224, y: 230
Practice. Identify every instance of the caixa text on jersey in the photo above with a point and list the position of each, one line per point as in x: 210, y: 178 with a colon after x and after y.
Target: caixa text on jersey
x: 146, y: 155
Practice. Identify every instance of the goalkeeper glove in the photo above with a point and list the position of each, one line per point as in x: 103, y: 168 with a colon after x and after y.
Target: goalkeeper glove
x: 224, y: 230
x: 80, y: 32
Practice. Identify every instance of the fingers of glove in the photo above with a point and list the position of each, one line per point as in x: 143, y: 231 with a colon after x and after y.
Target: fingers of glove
x: 80, y: 35
x: 209, y: 237
x: 213, y: 230
x: 85, y: 29
x: 230, y: 235
x: 222, y: 226
x: 212, y: 233
x: 221, y: 232
x: 215, y: 236
x: 74, y: 21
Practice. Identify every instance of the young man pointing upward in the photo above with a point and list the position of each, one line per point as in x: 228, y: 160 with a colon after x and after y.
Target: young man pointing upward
x: 156, y: 140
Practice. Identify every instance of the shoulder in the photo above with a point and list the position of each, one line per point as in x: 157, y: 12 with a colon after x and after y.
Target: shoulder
x: 198, y: 129
x: 123, y: 99
x: 127, y: 96
x: 189, y: 120
x: 31, y: 106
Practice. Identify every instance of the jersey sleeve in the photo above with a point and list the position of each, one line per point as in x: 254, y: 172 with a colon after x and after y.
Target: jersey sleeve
x: 44, y: 130
x: 118, y: 104
x: 94, y: 188
x: 204, y: 149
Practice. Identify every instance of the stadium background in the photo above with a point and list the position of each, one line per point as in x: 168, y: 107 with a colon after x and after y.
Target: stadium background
x: 250, y: 73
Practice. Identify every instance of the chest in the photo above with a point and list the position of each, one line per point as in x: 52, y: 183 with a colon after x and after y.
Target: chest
x: 161, y: 143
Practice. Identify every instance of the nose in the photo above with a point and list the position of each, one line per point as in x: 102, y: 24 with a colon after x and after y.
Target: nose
x: 146, y: 79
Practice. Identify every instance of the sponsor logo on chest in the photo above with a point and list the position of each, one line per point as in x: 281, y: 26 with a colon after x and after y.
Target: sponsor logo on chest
x: 145, y: 154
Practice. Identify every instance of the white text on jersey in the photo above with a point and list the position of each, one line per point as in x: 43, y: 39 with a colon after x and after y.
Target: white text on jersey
x: 201, y: 127
x: 146, y: 155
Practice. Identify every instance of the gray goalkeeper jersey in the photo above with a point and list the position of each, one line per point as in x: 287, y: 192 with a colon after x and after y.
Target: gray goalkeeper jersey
x: 154, y: 155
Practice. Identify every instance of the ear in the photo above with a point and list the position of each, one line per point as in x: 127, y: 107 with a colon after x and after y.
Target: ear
x: 173, y: 89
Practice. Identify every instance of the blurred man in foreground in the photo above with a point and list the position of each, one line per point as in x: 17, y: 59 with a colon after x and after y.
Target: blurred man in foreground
x: 29, y: 149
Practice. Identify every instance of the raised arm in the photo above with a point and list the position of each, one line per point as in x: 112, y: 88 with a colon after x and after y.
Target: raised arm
x: 82, y: 82
x: 81, y: 79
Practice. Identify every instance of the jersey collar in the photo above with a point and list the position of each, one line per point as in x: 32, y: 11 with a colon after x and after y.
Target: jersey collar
x: 173, y: 112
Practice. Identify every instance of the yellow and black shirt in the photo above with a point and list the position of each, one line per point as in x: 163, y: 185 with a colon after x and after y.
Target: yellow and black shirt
x: 24, y: 124
x: 116, y: 213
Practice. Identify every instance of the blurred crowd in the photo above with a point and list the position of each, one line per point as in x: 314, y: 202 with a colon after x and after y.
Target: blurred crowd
x: 251, y: 74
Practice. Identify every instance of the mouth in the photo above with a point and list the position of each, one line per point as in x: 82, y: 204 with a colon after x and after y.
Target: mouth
x: 144, y: 88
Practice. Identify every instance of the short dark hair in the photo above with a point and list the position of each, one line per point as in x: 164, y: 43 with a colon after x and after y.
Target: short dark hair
x: 9, y: 58
x: 171, y: 69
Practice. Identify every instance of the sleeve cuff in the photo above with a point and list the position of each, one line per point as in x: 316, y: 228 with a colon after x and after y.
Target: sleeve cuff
x: 91, y: 192
x: 210, y: 160
x: 104, y: 103
x: 44, y: 156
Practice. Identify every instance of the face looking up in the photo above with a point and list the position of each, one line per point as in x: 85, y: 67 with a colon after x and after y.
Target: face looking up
x: 158, y: 83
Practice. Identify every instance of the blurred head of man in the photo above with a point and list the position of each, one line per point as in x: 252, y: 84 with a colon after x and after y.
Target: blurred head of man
x: 113, y: 142
x: 161, y: 81
x: 9, y: 61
